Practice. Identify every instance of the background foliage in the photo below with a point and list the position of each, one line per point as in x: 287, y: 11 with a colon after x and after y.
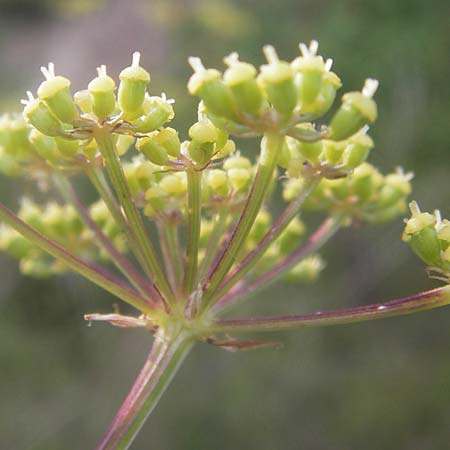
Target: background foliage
x: 381, y: 385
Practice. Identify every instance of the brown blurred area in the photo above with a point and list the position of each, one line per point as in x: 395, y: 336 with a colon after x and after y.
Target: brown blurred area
x: 377, y: 386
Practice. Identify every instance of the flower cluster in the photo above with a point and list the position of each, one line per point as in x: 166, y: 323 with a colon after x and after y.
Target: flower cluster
x: 192, y: 224
x: 209, y: 202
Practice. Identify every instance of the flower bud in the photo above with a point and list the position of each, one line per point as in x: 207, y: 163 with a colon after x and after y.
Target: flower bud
x: 39, y: 115
x: 201, y: 153
x: 217, y: 181
x: 239, y: 178
x: 421, y: 236
x: 291, y: 236
x: 66, y: 147
x: 8, y: 165
x: 240, y: 77
x: 152, y: 150
x: 227, y: 149
x: 45, y: 146
x: 397, y: 186
x: 358, y: 109
x: 383, y: 215
x: 55, y: 93
x: 156, y: 197
x: 237, y: 162
x: 157, y: 112
x: 14, y: 243
x: 133, y: 85
x: 207, y: 84
x: 37, y: 267
x: 357, y: 150
x: 203, y: 132
x: 333, y: 151
x: 101, y: 89
x: 306, y: 271
x: 364, y: 181
x: 83, y: 100
x: 123, y: 143
x: 325, y: 98
x: 175, y: 183
x: 168, y: 138
x: 310, y: 68
x: 310, y: 150
x: 277, y: 78
x: 260, y: 227
x: 295, y: 168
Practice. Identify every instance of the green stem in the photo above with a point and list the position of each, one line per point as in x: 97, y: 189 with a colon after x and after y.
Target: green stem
x: 409, y: 305
x: 173, y: 245
x: 101, y: 185
x: 270, y: 150
x: 100, y: 278
x: 163, y: 362
x: 122, y: 263
x: 214, y: 240
x: 194, y: 179
x: 166, y: 253
x: 108, y: 150
x: 283, y: 221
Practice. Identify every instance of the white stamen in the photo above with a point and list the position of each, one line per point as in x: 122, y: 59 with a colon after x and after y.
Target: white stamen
x: 381, y: 307
x: 414, y: 208
x: 167, y: 100
x: 101, y: 71
x: 407, y: 176
x: 271, y: 54
x: 136, y: 59
x: 48, y: 72
x: 328, y: 64
x: 365, y: 129
x: 438, y: 216
x: 370, y: 87
x: 196, y: 64
x: 30, y: 99
x: 310, y: 50
x: 231, y: 59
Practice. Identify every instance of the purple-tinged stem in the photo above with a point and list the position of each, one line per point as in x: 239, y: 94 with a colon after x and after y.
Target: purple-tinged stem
x: 291, y: 210
x: 100, y: 278
x: 270, y: 148
x: 408, y: 305
x: 325, y: 231
x: 166, y: 356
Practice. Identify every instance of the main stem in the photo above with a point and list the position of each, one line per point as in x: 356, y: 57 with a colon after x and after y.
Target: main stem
x: 108, y: 150
x: 164, y: 360
x: 270, y: 150
x: 194, y: 179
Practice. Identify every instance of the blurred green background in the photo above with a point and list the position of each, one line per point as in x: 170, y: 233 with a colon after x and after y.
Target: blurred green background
x: 380, y: 385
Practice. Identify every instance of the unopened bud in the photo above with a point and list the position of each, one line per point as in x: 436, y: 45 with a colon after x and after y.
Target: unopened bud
x: 40, y: 116
x: 55, y: 93
x: 133, y: 85
x: 152, y: 150
x: 240, y: 77
x: 358, y: 109
x: 208, y: 85
x: 101, y: 89
x: 277, y: 78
